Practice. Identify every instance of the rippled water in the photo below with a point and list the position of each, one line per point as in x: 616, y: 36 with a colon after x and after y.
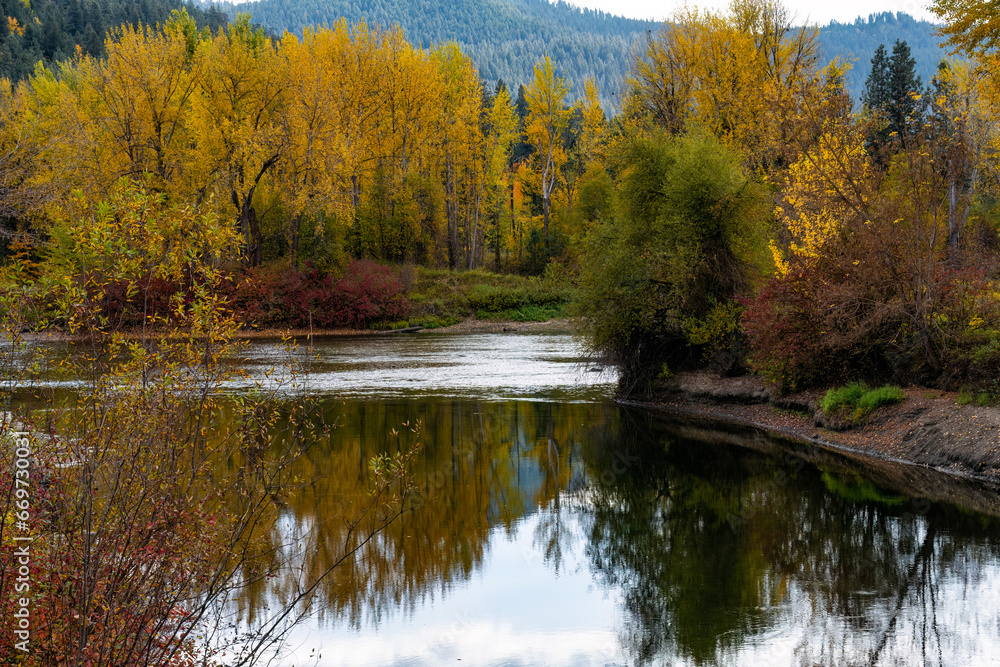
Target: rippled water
x: 550, y: 527
x: 475, y: 366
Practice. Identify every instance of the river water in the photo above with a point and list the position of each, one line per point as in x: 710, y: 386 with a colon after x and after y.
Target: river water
x: 550, y: 527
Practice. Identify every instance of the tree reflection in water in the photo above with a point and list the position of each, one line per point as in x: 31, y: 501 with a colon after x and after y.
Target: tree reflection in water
x: 719, y: 554
x: 723, y: 554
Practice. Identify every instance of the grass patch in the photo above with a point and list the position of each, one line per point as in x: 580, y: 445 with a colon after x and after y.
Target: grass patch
x: 455, y: 295
x: 860, y: 400
x: 984, y: 398
x: 529, y: 313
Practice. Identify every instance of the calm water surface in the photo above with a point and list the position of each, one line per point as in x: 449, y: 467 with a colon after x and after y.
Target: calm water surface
x: 550, y: 527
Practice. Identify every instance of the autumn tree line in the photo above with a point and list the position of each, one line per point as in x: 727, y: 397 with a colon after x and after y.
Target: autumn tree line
x: 738, y: 211
x: 761, y: 221
x: 348, y: 141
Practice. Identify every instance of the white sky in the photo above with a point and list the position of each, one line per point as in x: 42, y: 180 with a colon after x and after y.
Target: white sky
x: 805, y: 11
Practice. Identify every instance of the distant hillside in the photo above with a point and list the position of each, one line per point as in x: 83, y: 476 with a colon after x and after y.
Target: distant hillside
x: 50, y: 30
x: 504, y: 37
x: 857, y: 42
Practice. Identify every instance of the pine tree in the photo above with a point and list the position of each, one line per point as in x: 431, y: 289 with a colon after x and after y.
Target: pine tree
x: 876, y: 94
x: 905, y: 110
x: 892, y: 94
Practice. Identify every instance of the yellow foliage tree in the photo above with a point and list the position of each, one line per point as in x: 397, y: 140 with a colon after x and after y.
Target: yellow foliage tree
x: 544, y: 129
x: 822, y: 189
x: 740, y: 75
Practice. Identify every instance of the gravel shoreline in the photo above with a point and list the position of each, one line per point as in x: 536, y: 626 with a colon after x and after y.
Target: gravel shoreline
x: 928, y: 429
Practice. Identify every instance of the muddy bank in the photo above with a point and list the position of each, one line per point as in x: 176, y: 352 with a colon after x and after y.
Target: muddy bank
x: 929, y: 429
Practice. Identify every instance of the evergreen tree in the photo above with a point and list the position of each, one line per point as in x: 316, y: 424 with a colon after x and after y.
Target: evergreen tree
x: 876, y: 94
x: 905, y: 110
x: 892, y: 95
x: 522, y: 149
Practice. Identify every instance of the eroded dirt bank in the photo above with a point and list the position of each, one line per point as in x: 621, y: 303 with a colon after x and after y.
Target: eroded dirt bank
x: 929, y: 429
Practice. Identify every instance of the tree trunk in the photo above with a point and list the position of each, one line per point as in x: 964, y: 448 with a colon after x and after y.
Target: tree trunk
x: 293, y: 244
x: 251, y: 226
x: 496, y: 246
x: 475, y: 232
x: 953, y: 228
x: 451, y: 207
x: 545, y: 218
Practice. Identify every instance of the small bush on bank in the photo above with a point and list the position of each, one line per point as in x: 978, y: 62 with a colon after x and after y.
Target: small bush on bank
x: 843, y: 397
x: 876, y: 398
x: 859, y: 399
x: 982, y: 398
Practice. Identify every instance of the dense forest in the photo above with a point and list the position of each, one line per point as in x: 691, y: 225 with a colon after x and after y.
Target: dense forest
x: 52, y: 30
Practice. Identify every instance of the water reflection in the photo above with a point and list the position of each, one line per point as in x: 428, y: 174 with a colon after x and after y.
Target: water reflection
x: 655, y: 548
x: 726, y: 556
x: 549, y: 527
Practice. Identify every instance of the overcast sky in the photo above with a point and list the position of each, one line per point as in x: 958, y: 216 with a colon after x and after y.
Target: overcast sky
x: 811, y: 11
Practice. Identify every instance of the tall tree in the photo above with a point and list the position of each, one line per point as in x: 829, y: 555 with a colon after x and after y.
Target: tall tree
x: 893, y: 95
x: 544, y: 128
x: 742, y: 74
x: 244, y: 88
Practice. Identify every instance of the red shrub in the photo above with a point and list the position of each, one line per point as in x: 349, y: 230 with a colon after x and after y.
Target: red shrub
x: 151, y: 298
x: 785, y: 338
x: 369, y: 291
x: 276, y: 295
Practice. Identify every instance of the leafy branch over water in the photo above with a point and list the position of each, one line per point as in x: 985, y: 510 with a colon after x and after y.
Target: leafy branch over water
x: 156, y: 495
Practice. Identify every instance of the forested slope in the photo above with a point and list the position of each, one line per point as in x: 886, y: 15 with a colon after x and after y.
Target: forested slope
x: 51, y: 30
x: 505, y: 38
x: 857, y: 42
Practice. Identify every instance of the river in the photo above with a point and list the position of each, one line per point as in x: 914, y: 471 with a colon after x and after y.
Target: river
x: 551, y: 527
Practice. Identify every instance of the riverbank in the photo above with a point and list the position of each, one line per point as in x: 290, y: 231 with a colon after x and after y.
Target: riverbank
x: 468, y: 325
x: 928, y: 429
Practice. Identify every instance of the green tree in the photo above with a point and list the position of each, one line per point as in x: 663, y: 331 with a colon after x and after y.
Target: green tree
x: 893, y: 94
x: 661, y: 275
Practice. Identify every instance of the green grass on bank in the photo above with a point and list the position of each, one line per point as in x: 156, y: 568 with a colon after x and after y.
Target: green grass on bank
x: 439, y: 296
x: 859, y: 399
x: 982, y: 398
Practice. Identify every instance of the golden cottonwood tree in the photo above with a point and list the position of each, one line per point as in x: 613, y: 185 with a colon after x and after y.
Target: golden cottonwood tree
x: 314, y: 159
x: 738, y: 74
x: 544, y: 128
x: 969, y: 25
x: 459, y: 134
x: 823, y: 189
x: 238, y: 121
x: 963, y: 133
x: 501, y: 130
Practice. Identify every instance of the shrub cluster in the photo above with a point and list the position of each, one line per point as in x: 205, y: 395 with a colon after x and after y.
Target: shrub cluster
x: 496, y: 298
x: 274, y: 295
x: 149, y: 297
x: 662, y: 274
